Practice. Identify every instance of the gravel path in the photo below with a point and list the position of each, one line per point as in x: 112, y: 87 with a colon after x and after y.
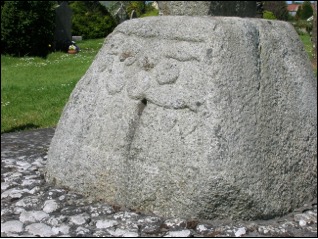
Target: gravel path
x: 31, y: 207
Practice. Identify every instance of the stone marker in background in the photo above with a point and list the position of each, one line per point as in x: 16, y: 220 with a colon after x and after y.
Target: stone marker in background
x: 77, y: 38
x: 207, y: 117
x: 204, y: 8
x: 63, y: 20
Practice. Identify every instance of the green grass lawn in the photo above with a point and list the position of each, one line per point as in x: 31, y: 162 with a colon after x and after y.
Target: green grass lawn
x: 152, y: 13
x: 309, y: 49
x: 35, y: 90
x: 308, y: 46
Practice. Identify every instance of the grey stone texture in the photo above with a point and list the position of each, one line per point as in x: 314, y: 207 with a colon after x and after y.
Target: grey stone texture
x: 201, y: 117
x: 205, y: 8
x: 24, y: 217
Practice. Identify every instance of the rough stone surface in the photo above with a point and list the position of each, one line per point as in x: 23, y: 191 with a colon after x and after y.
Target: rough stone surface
x: 183, y: 233
x: 32, y: 216
x: 40, y: 229
x: 50, y: 206
x: 240, y: 232
x: 106, y: 223
x: 31, y: 146
x: 231, y: 132
x: 12, y: 226
x: 205, y: 8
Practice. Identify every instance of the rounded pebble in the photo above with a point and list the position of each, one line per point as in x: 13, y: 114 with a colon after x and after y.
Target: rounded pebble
x: 241, y: 231
x: 12, y: 226
x: 50, y: 206
x: 106, y: 223
x: 40, y: 229
x: 183, y: 233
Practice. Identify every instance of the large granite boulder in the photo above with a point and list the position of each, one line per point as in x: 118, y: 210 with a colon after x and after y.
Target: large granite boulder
x: 193, y: 117
x: 205, y: 8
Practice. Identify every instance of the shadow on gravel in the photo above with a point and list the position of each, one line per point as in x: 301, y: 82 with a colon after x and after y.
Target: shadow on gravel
x: 20, y: 128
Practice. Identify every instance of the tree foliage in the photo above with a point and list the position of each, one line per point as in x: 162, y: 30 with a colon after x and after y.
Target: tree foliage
x: 150, y: 10
x: 141, y: 8
x: 27, y: 27
x: 278, y: 8
x: 138, y: 7
x: 91, y: 19
x: 306, y: 10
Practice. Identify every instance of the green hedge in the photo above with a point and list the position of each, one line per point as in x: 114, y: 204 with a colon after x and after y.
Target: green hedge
x: 91, y: 20
x: 27, y: 27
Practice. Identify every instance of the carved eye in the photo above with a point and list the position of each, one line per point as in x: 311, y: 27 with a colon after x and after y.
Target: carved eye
x: 146, y: 63
x: 167, y: 72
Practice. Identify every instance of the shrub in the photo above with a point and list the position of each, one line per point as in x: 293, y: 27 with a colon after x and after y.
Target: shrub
x: 269, y: 15
x: 27, y: 27
x: 91, y: 20
x: 291, y: 18
x: 150, y: 10
x: 303, y: 26
x: 278, y: 8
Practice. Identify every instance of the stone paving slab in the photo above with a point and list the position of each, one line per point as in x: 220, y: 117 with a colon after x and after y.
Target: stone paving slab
x: 31, y: 207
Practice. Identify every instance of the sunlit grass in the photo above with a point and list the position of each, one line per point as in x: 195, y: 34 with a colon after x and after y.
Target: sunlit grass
x: 152, y: 13
x: 305, y: 38
x: 34, y: 90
